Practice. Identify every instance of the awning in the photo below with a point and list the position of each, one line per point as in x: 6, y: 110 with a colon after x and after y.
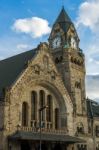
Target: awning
x: 22, y: 135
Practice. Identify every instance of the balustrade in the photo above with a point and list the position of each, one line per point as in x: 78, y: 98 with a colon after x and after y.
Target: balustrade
x: 48, y: 130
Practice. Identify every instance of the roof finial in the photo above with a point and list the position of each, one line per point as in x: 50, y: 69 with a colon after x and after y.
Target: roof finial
x: 62, y: 3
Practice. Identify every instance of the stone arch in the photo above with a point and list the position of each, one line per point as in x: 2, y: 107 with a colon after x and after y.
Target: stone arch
x: 60, y: 100
x: 56, y: 93
x: 60, y: 93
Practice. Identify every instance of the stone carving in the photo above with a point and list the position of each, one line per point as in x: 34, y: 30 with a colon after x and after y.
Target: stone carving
x: 53, y: 75
x: 43, y: 46
x: 36, y: 69
x: 46, y: 62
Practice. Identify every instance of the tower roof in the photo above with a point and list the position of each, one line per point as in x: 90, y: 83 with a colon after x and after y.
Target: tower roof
x: 63, y: 17
x: 63, y: 20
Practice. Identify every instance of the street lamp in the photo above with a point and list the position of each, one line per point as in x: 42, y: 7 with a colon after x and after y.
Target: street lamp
x: 40, y: 111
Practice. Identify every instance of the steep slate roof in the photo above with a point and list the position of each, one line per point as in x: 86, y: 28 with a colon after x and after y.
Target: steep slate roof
x: 63, y: 20
x: 12, y: 67
x: 63, y: 17
x: 92, y: 108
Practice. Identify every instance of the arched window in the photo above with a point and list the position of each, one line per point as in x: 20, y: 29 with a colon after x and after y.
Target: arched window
x: 33, y: 105
x: 56, y: 118
x: 42, y: 103
x: 80, y: 128
x: 24, y: 114
x: 49, y: 109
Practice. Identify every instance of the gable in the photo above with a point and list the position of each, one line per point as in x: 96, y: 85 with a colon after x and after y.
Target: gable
x: 42, y: 71
x: 41, y: 74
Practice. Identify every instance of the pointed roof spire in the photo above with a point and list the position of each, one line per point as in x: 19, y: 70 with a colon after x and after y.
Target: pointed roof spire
x: 63, y: 17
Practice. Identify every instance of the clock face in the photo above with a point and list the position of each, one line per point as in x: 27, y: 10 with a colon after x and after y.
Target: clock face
x: 56, y: 42
x: 73, y: 42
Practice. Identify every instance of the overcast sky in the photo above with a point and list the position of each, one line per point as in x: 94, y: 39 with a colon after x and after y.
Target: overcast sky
x: 25, y: 23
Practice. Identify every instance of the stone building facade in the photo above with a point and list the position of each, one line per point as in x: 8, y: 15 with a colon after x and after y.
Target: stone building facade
x: 43, y: 97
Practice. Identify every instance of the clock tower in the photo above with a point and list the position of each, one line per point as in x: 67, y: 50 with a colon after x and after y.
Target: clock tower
x: 69, y: 59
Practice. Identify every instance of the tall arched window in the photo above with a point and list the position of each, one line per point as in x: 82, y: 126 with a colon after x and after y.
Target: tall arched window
x: 49, y: 109
x: 33, y: 105
x: 56, y: 118
x: 24, y: 114
x: 42, y: 103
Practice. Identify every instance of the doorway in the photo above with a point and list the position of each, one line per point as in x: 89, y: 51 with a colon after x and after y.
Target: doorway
x: 43, y: 147
x: 25, y: 145
x: 60, y: 147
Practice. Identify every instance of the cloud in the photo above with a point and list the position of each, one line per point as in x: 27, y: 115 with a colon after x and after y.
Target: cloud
x: 23, y: 46
x: 15, y: 45
x: 89, y: 15
x: 87, y: 23
x: 1, y: 57
x: 92, y: 57
x: 92, y: 86
x: 35, y: 27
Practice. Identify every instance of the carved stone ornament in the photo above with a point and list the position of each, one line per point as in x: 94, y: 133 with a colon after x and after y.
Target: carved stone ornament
x: 46, y: 62
x: 36, y: 69
x: 43, y: 46
x: 53, y: 75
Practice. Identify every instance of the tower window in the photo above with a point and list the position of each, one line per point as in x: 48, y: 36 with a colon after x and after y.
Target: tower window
x: 57, y: 30
x: 78, y: 85
x: 58, y: 59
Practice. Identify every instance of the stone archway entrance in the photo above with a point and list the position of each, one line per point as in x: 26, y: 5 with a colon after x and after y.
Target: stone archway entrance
x: 59, y: 146
x: 43, y: 147
x: 25, y: 145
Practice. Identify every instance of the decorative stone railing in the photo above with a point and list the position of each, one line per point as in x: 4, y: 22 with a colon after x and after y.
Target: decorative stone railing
x: 44, y: 130
x: 44, y: 124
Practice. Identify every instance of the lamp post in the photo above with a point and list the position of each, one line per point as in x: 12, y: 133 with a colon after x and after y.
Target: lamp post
x: 40, y: 111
